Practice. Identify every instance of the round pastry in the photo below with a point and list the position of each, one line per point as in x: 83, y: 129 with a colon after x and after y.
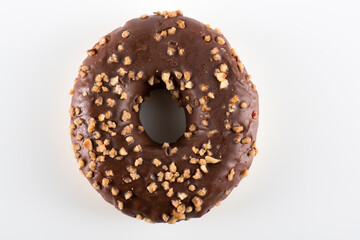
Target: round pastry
x: 164, y: 182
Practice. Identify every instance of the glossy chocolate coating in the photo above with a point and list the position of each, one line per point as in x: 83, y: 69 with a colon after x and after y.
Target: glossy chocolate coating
x: 152, y: 59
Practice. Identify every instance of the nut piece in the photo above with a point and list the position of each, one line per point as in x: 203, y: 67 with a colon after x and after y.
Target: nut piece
x: 220, y: 40
x: 211, y: 160
x: 125, y: 34
x: 197, y: 203
x: 182, y: 195
x: 120, y: 204
x: 244, y: 173
x: 123, y: 152
x: 127, y: 60
x: 152, y: 187
x: 128, y: 195
x: 231, y: 174
x: 207, y: 38
x: 156, y: 162
x: 181, y: 24
x: 114, y: 191
x: 88, y: 144
x: 125, y: 116
x: 171, y: 31
x: 224, y: 84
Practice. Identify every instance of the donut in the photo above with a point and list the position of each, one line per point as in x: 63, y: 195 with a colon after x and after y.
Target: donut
x: 166, y: 182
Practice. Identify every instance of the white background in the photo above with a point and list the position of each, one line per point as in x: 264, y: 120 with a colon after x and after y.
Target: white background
x: 304, y: 183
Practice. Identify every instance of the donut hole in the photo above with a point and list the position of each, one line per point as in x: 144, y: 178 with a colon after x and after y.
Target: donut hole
x: 161, y: 117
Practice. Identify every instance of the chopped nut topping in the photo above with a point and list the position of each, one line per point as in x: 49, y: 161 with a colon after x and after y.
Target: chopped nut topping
x: 197, y: 175
x: 204, y: 88
x: 129, y: 139
x: 92, y: 165
x: 231, y: 174
x: 81, y: 163
x: 220, y: 76
x: 170, y: 193
x: 128, y: 195
x: 237, y: 139
x: 187, y: 75
x: 241, y: 67
x: 163, y: 34
x: 189, y: 109
x: 246, y: 140
x: 181, y: 24
x: 220, y: 40
x: 171, y: 51
x: 125, y: 116
x: 181, y: 209
x: 137, y: 148
x: 244, y: 173
x: 243, y: 105
x: 181, y: 51
x: 78, y: 121
x: 171, y: 31
x: 235, y: 99
x: 125, y: 34
x: 141, y: 128
x: 237, y: 129
x: 105, y: 182
x: 123, y: 152
x: 114, y: 81
x: 89, y: 174
x: 224, y: 68
x: 217, y: 31
x: 197, y: 203
x: 109, y: 173
x: 224, y: 84
x: 204, y: 168
x: 252, y: 153
x: 165, y: 76
x: 120, y: 204
x: 205, y: 122
x: 207, y: 38
x: 156, y: 162
x: 152, y: 187
x: 88, y: 144
x: 79, y: 137
x: 160, y: 176
x: 187, y: 134
x: 91, y: 52
x: 157, y: 37
x: 189, y: 85
x: 96, y: 185
x: 165, y: 217
x: 114, y: 191
x: 202, y: 192
x: 175, y: 203
x: 214, y: 51
x: 120, y: 47
x: 165, y: 185
x: 127, y: 60
x: 122, y: 71
x: 212, y: 160
x: 123, y: 95
x: 138, y: 162
x: 217, y: 57
x: 192, y: 128
x: 103, y: 40
x: 192, y: 187
x: 144, y: 16
x: 113, y: 58
x: 172, y: 167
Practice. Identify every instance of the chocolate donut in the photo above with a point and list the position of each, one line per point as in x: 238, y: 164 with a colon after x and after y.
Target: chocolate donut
x: 164, y: 182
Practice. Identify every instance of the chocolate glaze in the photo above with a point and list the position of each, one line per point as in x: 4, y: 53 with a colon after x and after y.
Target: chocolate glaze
x: 151, y: 57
